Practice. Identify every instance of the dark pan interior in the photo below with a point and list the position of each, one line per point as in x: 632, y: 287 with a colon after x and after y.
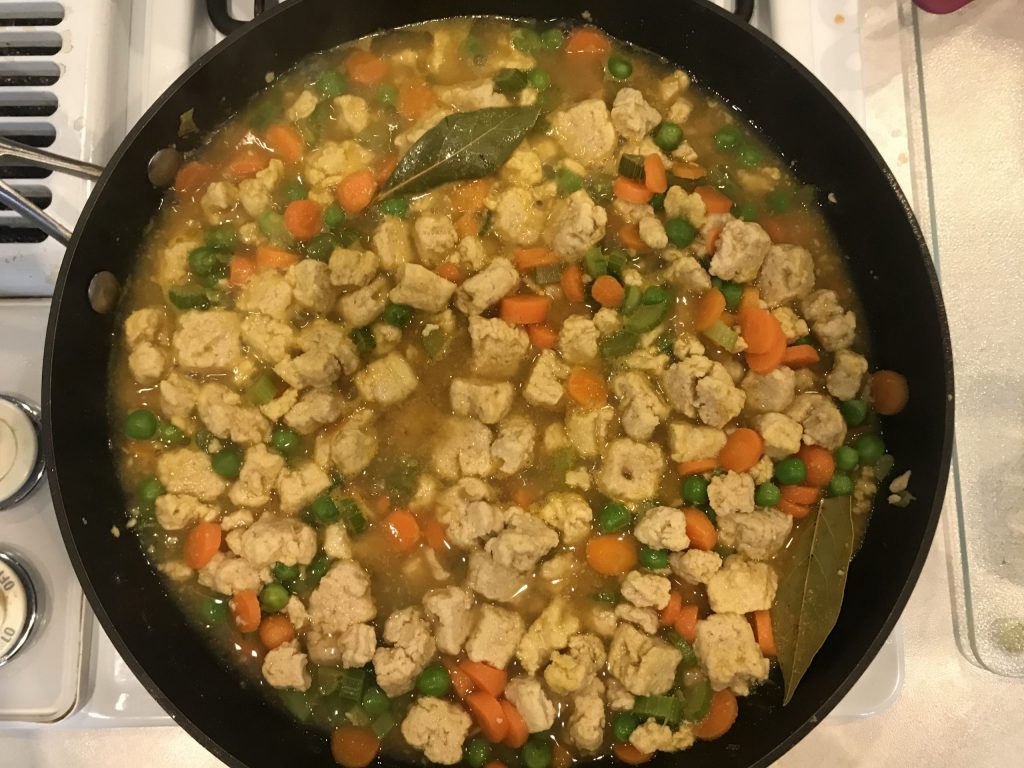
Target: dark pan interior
x: 870, y: 218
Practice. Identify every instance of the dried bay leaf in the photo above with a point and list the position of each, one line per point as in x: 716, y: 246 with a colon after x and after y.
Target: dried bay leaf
x: 466, y: 145
x: 811, y: 583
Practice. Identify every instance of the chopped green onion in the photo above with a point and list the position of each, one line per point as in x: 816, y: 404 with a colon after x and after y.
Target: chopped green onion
x: 364, y: 340
x: 525, y: 39
x: 619, y: 343
x: 382, y: 725
x: 222, y: 237
x: 656, y: 294
x: 685, y: 647
x: 604, y: 597
x: 667, y: 710
x: 434, y: 342
x: 697, y: 700
x: 623, y: 725
x: 334, y: 216
x: 262, y: 389
x: 632, y: 167
x: 322, y: 246
x: 617, y: 261
x: 595, y: 263
x: 552, y: 39
x: 297, y: 704
x: 324, y: 510
x: 353, y: 515
x: 567, y: 182
x: 387, y: 94
x: 357, y: 716
x: 375, y: 701
x: 647, y: 317
x: 395, y: 206
x: 350, y: 686
x: 732, y: 292
x: 599, y: 188
x: 547, y: 274
x: 331, y: 83
x: 722, y: 335
x: 539, y: 79
x: 294, y: 190
x: 398, y: 315
x: 317, y: 569
x: 271, y: 224
x: 509, y: 81
x: 631, y: 299
x: 883, y: 466
x: 188, y: 297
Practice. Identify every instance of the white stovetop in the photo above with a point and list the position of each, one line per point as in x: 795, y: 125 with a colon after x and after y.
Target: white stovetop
x: 949, y: 712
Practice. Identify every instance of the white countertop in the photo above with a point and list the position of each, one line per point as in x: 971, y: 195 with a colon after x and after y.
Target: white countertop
x: 949, y: 711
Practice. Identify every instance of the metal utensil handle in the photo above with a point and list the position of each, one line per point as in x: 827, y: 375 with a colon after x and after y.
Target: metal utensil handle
x: 17, y: 202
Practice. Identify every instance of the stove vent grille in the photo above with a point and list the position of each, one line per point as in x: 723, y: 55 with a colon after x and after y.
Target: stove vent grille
x: 29, y: 41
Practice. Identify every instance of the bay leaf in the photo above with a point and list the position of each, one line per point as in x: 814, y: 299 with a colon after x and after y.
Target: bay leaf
x: 812, y: 580
x: 466, y: 145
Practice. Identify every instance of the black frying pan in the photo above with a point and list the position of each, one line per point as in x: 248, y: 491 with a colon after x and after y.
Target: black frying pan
x: 864, y: 206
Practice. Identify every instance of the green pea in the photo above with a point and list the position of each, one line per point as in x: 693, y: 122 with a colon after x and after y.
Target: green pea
x: 375, y: 702
x: 273, y: 597
x: 322, y: 246
x: 213, y: 610
x: 284, y: 440
x: 668, y: 136
x: 623, y: 725
x: 870, y: 448
x: 746, y: 212
x: 202, y: 260
x: 169, y: 434
x: 665, y: 343
x: 658, y: 201
x: 324, y: 510
x: 398, y: 315
x: 537, y: 751
x: 791, y: 471
x: 619, y: 67
x: 294, y: 190
x: 655, y: 294
x: 695, y: 490
x: 613, y: 517
x: 140, y: 424
x: 331, y: 83
x: 709, y: 513
x: 524, y: 39
x: 680, y: 232
x: 509, y: 81
x: 841, y: 484
x: 387, y: 94
x: 364, y: 340
x: 846, y: 458
x: 539, y: 78
x: 750, y: 156
x: 599, y: 188
x: 767, y: 495
x: 855, y: 412
x: 655, y: 559
x: 434, y: 681
x: 285, y: 574
x: 476, y: 753
x: 334, y: 216
x: 149, y: 490
x: 732, y: 292
x: 227, y: 462
x: 552, y: 39
x: 727, y: 137
x: 221, y: 237
x: 779, y: 201
x: 605, y: 597
x: 567, y: 182
x: 395, y: 206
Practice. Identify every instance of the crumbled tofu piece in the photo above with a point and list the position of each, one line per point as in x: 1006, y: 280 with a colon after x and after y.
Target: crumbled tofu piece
x: 314, y: 409
x: 267, y: 292
x: 571, y: 670
x: 421, y: 289
x: 498, y: 348
x: 208, y: 341
x: 741, y: 250
x: 220, y: 197
x: 364, y: 305
x: 645, y: 618
x: 187, y: 471
x: 662, y: 528
x: 569, y: 513
x: 315, y: 368
x: 523, y: 542
x: 257, y: 478
x: 695, y: 566
x: 645, y: 665
x: 412, y: 646
x: 463, y: 449
x: 543, y: 386
x: 577, y: 340
x: 587, y: 722
x: 393, y: 243
x: 285, y: 667
x: 528, y: 696
x: 641, y: 408
x: 589, y: 429
x: 386, y: 381
x: 332, y: 161
x: 702, y: 388
x: 632, y: 116
x: 273, y: 539
x: 757, y: 535
x: 523, y: 167
x: 822, y: 422
x: 354, y: 445
x: 769, y: 392
x: 780, y: 433
x: 512, y: 448
x: 793, y: 326
x: 486, y: 401
x: 518, y: 216
x: 652, y: 232
x: 631, y: 471
x: 473, y: 520
x: 576, y: 223
x: 833, y: 327
x: 269, y: 339
x: 451, y: 611
x: 726, y: 647
x: 690, y: 442
x: 607, y: 321
x: 224, y: 415
x: 689, y: 206
x: 353, y: 112
x: 437, y: 728
x: 491, y: 579
x: 844, y: 380
x: 731, y: 493
x: 147, y: 363
x: 742, y: 586
x: 351, y: 268
x: 229, y: 575
x: 177, y: 511
x: 487, y: 287
x: 548, y: 633
x: 786, y: 274
x: 296, y: 488
x: 646, y: 590
x: 651, y: 736
x: 585, y: 131
x: 495, y: 636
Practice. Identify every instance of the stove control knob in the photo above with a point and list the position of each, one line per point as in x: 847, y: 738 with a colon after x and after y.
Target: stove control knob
x: 21, y: 462
x: 18, y: 607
